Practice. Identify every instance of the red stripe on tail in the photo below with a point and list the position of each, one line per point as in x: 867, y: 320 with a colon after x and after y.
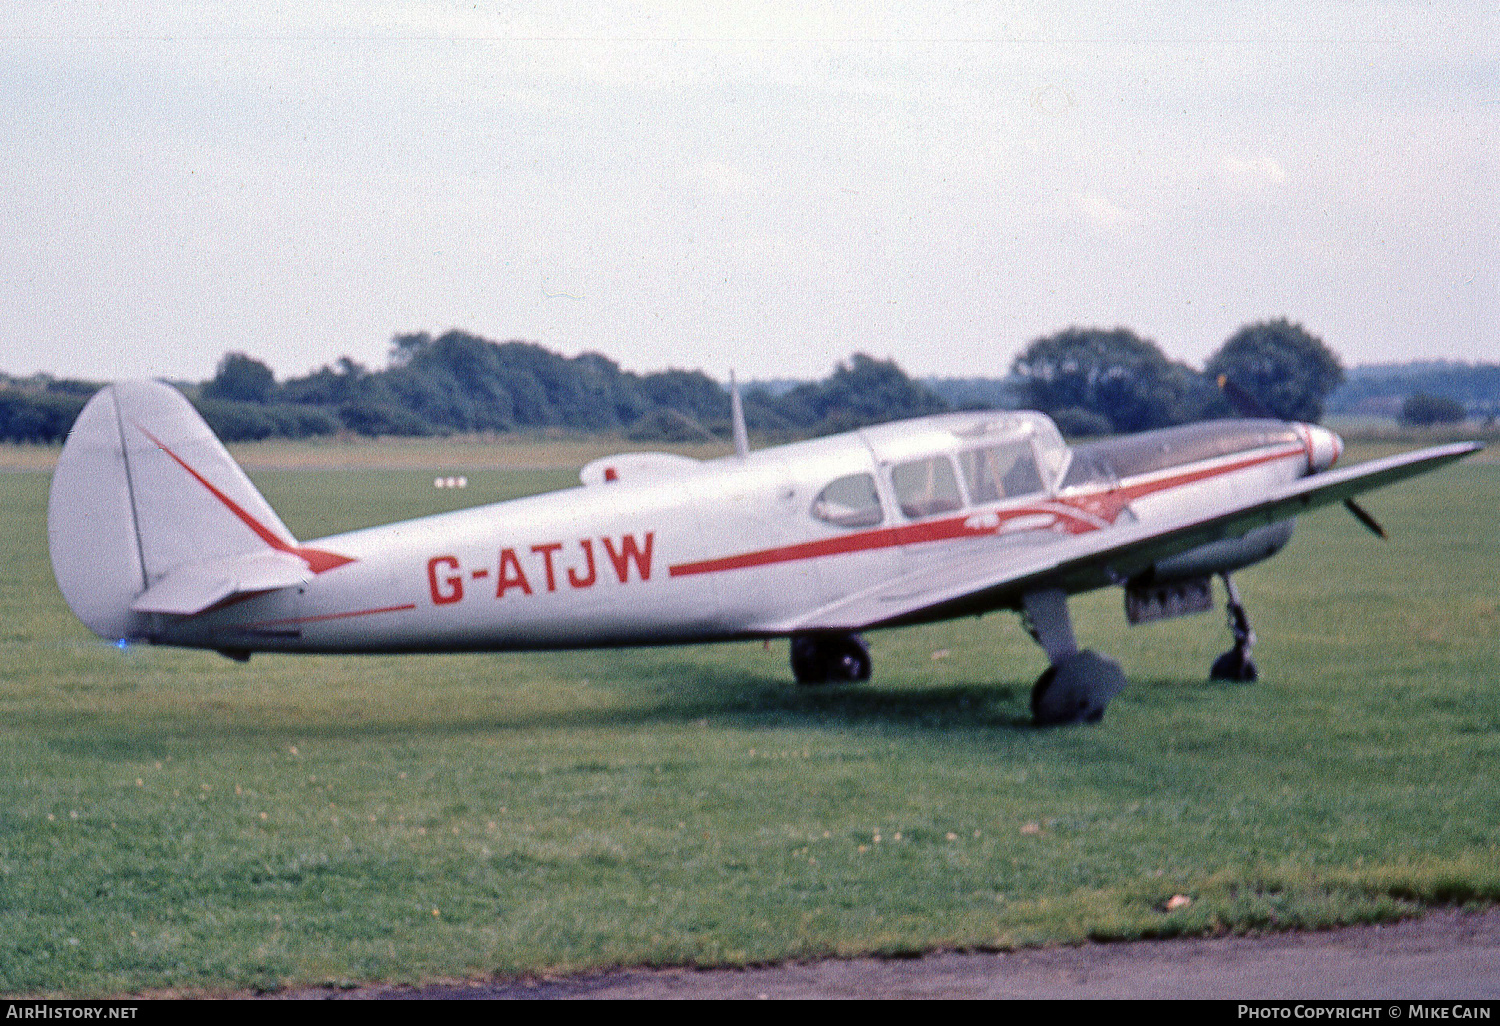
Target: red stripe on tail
x: 317, y: 560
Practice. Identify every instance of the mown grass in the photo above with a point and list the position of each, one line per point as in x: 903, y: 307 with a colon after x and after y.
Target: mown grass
x: 174, y: 820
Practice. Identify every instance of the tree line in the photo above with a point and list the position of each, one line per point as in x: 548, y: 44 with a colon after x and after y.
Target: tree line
x: 1091, y: 380
x: 1424, y: 392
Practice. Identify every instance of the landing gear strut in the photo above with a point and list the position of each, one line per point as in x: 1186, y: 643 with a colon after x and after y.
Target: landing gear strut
x: 1236, y: 664
x: 1078, y: 685
x: 830, y: 659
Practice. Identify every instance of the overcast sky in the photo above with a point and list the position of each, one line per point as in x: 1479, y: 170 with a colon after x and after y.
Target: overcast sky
x: 764, y: 186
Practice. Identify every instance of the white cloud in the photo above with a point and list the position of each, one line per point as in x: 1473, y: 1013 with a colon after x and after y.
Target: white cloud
x: 1102, y: 212
x: 1243, y: 173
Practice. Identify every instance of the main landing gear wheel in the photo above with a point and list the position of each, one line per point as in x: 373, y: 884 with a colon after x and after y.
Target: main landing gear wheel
x: 1076, y: 689
x: 1236, y: 664
x: 830, y: 659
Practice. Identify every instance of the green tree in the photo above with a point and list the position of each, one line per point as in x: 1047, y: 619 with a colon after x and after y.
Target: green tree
x: 372, y: 417
x: 1113, y: 374
x: 241, y: 378
x: 1424, y: 410
x: 1076, y: 423
x: 36, y: 416
x: 468, y: 383
x: 691, y: 392
x: 1288, y: 369
x: 862, y: 391
x: 404, y: 347
x: 347, y: 381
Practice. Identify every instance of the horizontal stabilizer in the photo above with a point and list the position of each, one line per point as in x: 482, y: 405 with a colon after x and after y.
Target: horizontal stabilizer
x: 199, y: 586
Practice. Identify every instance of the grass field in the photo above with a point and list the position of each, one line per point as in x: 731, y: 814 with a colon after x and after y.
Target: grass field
x: 172, y: 820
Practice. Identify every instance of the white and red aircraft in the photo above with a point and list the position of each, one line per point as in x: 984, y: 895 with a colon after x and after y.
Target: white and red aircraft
x: 157, y: 535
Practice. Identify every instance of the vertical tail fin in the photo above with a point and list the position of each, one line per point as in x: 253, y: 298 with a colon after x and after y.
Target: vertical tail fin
x: 143, y: 489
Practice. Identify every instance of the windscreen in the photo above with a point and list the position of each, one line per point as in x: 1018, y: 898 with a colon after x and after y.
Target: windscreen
x: 1170, y: 447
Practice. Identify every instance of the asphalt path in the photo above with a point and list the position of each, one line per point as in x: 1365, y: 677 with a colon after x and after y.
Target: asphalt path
x: 1444, y: 955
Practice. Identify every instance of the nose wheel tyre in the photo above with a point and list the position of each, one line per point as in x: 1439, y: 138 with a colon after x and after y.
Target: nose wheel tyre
x: 830, y: 659
x: 1236, y: 664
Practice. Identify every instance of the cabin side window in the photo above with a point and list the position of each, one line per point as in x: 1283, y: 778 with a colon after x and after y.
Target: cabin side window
x: 998, y: 472
x: 849, y: 502
x: 925, y: 487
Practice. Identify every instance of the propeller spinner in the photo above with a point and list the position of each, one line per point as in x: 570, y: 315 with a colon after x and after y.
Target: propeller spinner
x: 1326, y: 445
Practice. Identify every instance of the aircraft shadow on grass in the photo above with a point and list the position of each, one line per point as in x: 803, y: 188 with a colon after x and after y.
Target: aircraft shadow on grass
x: 678, y: 694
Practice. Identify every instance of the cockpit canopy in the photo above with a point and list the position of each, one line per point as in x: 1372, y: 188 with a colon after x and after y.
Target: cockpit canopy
x: 942, y: 464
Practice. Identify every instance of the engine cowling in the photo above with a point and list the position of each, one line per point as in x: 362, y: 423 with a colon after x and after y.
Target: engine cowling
x: 1225, y: 556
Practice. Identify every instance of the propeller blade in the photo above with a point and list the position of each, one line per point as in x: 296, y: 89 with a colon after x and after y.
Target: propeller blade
x: 1365, y: 518
x: 1245, y: 404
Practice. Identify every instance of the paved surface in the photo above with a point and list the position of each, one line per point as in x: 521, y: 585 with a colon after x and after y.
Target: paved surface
x: 1448, y: 955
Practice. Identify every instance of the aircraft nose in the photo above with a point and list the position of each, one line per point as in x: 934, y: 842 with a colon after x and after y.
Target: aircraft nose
x: 1324, y: 447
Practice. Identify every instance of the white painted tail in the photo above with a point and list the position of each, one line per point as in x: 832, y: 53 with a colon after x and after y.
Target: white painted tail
x: 149, y: 514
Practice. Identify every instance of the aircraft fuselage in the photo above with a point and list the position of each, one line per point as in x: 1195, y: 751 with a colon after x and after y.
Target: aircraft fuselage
x: 735, y: 547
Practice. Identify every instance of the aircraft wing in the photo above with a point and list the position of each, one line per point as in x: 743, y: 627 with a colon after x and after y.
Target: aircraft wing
x: 996, y: 574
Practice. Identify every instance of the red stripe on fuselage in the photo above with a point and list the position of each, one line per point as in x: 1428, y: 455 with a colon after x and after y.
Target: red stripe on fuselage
x: 316, y: 559
x: 1108, y: 504
x: 1104, y: 506
x: 290, y: 620
x: 887, y: 537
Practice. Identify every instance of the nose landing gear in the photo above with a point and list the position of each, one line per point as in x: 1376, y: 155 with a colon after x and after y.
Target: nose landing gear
x: 1236, y: 664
